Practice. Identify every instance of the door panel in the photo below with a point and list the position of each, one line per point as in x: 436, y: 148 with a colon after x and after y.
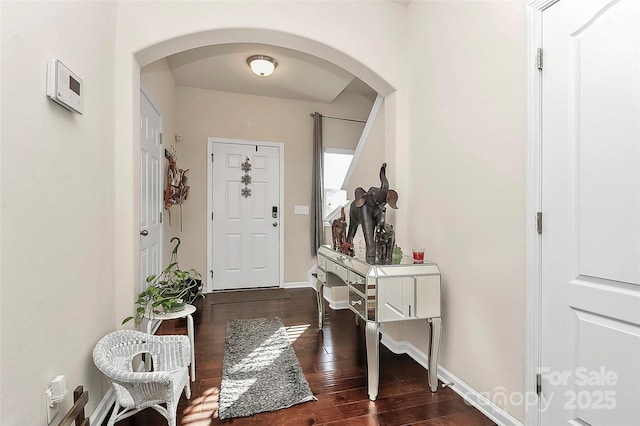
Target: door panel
x: 244, y: 231
x: 151, y: 154
x: 607, y: 142
x: 260, y: 252
x: 590, y: 349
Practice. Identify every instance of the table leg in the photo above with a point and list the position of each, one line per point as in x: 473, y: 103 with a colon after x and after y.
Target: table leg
x: 435, y: 326
x: 373, y: 356
x: 193, y: 347
x: 320, y: 299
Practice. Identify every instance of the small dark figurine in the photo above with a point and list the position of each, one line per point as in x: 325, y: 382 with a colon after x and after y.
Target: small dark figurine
x: 385, y: 239
x: 347, y: 248
x: 339, y: 231
x: 368, y: 209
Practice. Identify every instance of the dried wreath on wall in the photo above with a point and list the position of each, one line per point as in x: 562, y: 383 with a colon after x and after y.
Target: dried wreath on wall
x: 177, y: 190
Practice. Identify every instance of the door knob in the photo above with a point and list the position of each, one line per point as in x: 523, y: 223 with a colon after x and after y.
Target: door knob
x: 144, y: 232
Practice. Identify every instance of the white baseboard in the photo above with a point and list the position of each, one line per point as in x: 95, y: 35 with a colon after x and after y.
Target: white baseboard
x: 102, y: 410
x: 473, y: 397
x: 404, y: 347
x: 337, y: 304
x: 301, y: 284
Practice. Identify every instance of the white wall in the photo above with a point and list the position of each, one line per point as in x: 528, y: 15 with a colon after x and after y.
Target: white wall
x: 57, y: 204
x: 467, y: 181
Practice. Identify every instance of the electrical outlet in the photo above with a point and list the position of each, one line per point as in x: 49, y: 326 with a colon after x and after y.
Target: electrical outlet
x: 52, y: 409
x: 301, y: 210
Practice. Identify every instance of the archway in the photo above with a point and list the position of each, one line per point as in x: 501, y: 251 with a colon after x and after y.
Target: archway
x: 263, y: 36
x: 128, y: 214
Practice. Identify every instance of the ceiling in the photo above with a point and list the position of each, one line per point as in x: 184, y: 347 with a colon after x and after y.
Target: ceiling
x: 298, y: 76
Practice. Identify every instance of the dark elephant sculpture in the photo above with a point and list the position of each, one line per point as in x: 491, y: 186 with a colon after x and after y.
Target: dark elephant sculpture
x: 385, y: 239
x: 367, y: 209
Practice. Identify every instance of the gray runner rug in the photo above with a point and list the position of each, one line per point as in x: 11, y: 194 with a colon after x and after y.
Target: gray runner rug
x: 260, y: 370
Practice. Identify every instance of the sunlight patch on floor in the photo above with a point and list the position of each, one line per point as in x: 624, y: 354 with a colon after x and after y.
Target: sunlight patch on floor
x: 296, y: 331
x: 203, y: 409
x: 261, y: 357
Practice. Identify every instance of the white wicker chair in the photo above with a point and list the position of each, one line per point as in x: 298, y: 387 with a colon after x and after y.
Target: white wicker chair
x: 135, y: 391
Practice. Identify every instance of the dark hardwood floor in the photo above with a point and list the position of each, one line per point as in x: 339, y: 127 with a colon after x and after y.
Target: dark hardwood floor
x: 334, y: 363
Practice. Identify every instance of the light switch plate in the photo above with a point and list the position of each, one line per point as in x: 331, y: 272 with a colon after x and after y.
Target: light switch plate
x: 301, y: 209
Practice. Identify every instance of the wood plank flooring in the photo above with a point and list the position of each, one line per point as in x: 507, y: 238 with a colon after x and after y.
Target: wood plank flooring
x: 334, y: 363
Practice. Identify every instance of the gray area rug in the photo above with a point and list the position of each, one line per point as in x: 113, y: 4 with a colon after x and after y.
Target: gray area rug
x: 260, y: 371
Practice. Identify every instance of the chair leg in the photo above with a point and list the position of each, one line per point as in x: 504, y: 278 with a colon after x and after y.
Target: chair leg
x: 171, y: 414
x: 187, y: 390
x: 114, y: 414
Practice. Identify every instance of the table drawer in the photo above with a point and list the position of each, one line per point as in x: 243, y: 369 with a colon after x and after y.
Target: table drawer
x: 322, y: 276
x: 339, y: 270
x: 322, y: 262
x: 357, y: 303
x: 358, y: 282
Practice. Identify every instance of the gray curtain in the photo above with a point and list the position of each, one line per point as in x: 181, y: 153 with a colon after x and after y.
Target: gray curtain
x: 317, y: 187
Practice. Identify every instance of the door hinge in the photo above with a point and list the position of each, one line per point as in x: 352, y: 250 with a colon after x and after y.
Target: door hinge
x: 160, y: 217
x: 539, y: 222
x: 211, y: 273
x: 211, y: 215
x: 212, y: 158
x: 538, y: 383
x: 539, y: 59
x: 160, y: 138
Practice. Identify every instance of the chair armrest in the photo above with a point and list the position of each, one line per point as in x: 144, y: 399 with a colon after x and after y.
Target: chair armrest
x: 163, y: 377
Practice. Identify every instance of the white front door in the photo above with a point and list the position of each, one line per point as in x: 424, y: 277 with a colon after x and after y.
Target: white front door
x: 246, y: 215
x: 151, y: 153
x: 590, y: 346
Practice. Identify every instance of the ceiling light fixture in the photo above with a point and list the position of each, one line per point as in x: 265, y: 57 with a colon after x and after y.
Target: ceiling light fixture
x: 262, y: 65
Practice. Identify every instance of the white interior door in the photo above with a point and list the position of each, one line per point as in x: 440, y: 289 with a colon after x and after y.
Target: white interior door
x: 151, y: 154
x: 246, y: 216
x: 590, y: 347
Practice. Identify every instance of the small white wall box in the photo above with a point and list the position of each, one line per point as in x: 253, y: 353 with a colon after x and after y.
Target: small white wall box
x: 64, y: 86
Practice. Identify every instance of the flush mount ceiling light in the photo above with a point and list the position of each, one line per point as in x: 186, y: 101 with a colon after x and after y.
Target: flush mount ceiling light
x: 262, y: 65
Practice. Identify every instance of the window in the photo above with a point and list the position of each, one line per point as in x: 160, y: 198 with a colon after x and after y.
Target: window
x: 336, y: 165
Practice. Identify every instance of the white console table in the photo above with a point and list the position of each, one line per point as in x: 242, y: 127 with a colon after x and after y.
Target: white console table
x: 384, y: 293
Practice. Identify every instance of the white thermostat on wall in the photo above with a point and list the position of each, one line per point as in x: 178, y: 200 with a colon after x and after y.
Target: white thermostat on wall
x: 64, y: 86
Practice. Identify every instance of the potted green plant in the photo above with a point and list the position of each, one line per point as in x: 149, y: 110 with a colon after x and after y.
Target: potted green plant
x: 168, y: 292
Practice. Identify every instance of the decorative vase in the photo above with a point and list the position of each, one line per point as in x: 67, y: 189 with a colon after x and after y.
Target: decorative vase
x: 396, y: 256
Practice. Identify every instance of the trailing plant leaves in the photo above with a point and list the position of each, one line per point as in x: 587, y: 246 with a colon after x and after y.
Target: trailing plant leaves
x: 171, y: 287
